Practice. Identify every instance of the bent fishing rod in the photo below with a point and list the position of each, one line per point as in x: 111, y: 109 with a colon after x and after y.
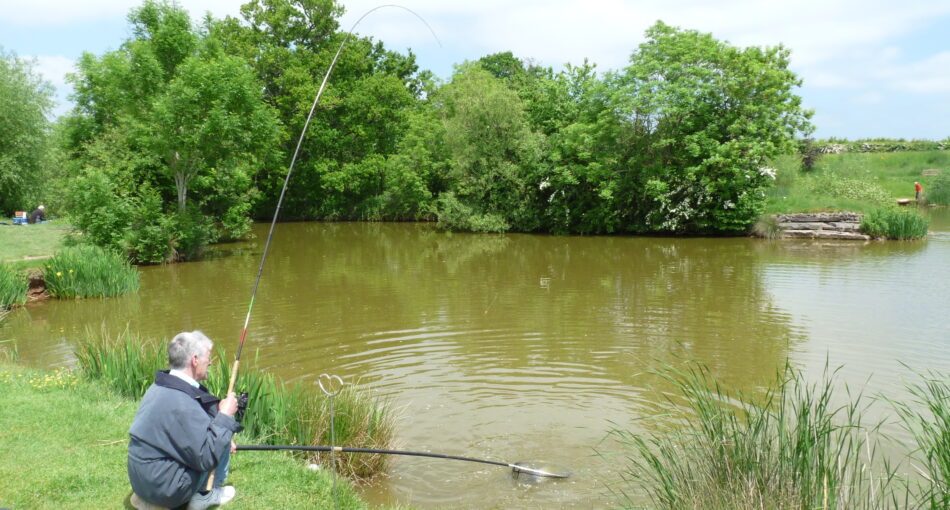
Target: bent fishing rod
x: 515, y: 467
x: 283, y: 191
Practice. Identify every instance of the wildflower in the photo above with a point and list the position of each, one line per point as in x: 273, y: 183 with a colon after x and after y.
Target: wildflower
x: 70, y: 271
x: 59, y: 273
x: 768, y: 172
x: 545, y: 184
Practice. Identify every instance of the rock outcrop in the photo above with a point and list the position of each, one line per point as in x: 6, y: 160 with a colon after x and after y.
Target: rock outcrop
x: 844, y: 225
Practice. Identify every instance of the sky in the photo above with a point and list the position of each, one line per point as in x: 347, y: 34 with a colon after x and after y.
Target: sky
x: 870, y: 68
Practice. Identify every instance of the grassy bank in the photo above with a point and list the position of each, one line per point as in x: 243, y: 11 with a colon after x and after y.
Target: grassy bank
x: 64, y: 446
x: 26, y: 246
x: 852, y: 182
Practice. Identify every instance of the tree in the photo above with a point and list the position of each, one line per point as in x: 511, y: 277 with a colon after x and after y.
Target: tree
x: 167, y: 114
x: 362, y: 116
x: 211, y: 118
x: 495, y: 154
x: 25, y: 102
x: 703, y: 118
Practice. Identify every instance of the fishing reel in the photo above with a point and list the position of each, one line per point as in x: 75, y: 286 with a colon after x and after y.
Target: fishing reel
x: 242, y: 406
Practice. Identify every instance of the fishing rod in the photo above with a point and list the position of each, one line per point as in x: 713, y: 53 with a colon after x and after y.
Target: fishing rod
x: 283, y: 191
x: 515, y: 467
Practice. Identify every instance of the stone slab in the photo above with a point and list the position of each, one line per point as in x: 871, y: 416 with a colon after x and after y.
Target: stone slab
x: 819, y: 217
x: 804, y: 234
x: 833, y: 234
x: 791, y: 225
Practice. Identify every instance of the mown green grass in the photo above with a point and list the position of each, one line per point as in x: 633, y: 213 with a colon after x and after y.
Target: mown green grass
x: 847, y: 182
x: 278, y: 413
x: 25, y: 246
x: 65, y: 440
x: 85, y: 271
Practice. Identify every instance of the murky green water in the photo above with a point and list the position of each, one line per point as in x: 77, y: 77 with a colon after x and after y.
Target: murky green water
x: 527, y: 348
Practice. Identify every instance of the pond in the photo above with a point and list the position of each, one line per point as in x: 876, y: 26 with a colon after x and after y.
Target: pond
x: 530, y: 347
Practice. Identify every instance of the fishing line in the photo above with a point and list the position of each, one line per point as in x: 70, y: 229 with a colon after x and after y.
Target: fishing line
x: 515, y: 467
x: 283, y: 191
x: 293, y: 161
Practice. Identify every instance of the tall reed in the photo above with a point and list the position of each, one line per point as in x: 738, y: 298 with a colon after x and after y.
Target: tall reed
x: 277, y: 413
x: 791, y: 448
x: 84, y: 271
x: 927, y: 418
x: 893, y: 223
x: 13, y: 286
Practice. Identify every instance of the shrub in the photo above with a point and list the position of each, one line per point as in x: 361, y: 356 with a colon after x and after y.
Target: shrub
x: 892, y: 223
x: 148, y: 241
x: 13, y: 286
x: 833, y: 185
x: 191, y: 232
x: 89, y: 271
x: 454, y: 215
x: 277, y: 413
x: 98, y: 211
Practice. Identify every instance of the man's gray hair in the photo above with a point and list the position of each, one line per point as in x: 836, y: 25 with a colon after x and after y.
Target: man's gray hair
x: 185, y: 345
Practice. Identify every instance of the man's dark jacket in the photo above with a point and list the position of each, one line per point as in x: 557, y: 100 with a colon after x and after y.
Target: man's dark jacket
x: 177, y: 435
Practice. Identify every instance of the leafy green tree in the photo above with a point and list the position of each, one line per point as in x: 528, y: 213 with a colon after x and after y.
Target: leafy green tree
x: 495, y: 154
x: 704, y: 117
x: 211, y: 119
x: 178, y: 128
x: 25, y: 103
x: 361, y: 119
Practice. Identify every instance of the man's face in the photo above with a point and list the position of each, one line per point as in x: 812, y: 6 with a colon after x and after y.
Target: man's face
x: 201, y: 365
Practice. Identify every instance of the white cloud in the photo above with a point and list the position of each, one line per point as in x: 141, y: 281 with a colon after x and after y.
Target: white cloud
x: 930, y: 75
x: 868, y: 98
x: 60, y: 12
x: 54, y: 69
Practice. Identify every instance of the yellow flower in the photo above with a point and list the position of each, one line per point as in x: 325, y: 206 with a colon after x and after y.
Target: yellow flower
x: 59, y: 273
x: 70, y: 271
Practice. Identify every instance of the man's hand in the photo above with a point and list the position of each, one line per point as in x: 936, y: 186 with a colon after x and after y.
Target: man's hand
x: 229, y: 405
x: 233, y: 447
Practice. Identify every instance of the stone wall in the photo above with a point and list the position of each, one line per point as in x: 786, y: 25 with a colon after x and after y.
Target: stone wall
x: 844, y: 225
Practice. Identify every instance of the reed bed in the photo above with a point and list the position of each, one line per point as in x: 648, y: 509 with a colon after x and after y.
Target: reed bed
x: 85, y: 271
x: 791, y: 448
x: 13, y: 286
x: 893, y: 223
x: 927, y: 418
x: 277, y: 413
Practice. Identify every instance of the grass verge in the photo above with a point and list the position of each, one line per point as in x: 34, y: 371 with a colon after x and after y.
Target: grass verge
x: 856, y: 182
x: 26, y: 246
x: 277, y: 413
x: 65, y: 441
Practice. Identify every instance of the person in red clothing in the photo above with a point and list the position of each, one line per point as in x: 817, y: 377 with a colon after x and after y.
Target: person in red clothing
x: 917, y: 189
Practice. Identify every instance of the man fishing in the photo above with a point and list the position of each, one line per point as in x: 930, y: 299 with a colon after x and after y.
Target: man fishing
x: 181, y: 432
